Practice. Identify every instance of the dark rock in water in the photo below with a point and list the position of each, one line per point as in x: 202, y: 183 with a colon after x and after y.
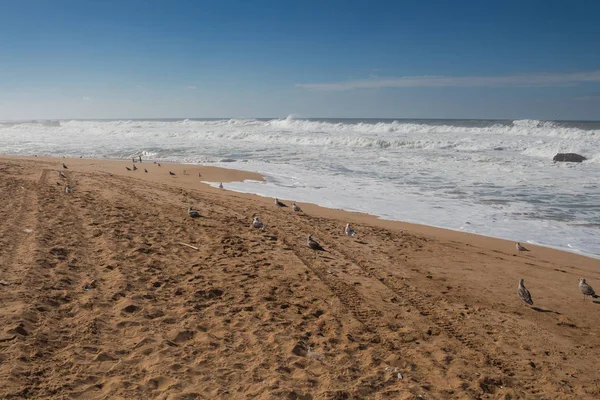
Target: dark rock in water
x: 569, y: 157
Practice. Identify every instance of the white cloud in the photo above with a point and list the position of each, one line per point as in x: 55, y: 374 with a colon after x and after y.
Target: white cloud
x: 191, y: 87
x: 86, y: 98
x: 522, y: 80
x: 590, y: 97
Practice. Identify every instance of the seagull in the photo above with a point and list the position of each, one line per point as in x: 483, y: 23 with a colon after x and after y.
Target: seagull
x: 313, y: 244
x: 278, y: 203
x: 524, y: 293
x: 257, y: 224
x: 171, y: 173
x: 193, y: 213
x: 295, y: 207
x: 221, y: 185
x: 199, y: 175
x: 68, y: 189
x: 134, y: 167
x: 128, y: 169
x: 520, y: 248
x: 158, y: 164
x: 145, y: 170
x: 65, y: 166
x: 61, y: 175
x: 586, y: 289
x: 349, y: 231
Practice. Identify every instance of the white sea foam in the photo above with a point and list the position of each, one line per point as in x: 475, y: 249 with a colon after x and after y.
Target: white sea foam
x: 489, y: 177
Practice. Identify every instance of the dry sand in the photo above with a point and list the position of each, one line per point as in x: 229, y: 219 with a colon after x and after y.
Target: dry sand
x: 427, y: 313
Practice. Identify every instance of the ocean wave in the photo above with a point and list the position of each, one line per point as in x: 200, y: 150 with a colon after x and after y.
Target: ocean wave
x: 515, y: 128
x: 534, y: 138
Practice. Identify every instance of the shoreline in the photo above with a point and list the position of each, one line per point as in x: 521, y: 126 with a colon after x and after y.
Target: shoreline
x: 212, y: 174
x: 416, y: 224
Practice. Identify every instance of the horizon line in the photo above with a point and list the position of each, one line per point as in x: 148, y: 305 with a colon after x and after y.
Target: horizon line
x: 25, y: 120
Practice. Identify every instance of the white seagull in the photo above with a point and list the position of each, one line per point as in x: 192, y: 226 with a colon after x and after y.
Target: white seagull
x: 193, y: 213
x: 520, y: 247
x: 313, y: 244
x: 68, y: 189
x: 586, y: 289
x: 257, y: 224
x: 349, y: 231
x: 278, y: 203
x: 524, y: 293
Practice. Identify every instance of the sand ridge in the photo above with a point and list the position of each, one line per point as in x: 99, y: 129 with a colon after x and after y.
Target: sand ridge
x: 100, y: 299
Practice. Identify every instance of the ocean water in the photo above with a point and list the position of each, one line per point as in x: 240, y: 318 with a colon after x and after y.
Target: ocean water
x: 495, y: 178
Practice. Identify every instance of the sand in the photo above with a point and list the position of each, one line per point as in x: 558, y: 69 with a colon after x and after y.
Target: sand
x: 100, y: 299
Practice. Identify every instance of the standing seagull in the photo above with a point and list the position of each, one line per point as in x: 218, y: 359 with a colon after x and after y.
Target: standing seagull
x: 586, y: 289
x: 134, y: 167
x: 349, y: 231
x: 278, y: 203
x: 313, y: 244
x: 295, y: 207
x: 61, y: 175
x: 128, y: 169
x: 193, y: 213
x: 257, y: 224
x: 65, y: 166
x: 524, y: 293
x: 221, y: 185
x: 68, y: 189
x: 520, y: 247
x: 171, y: 173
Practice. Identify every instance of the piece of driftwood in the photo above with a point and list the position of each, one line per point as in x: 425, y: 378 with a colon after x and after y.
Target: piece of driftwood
x: 189, y: 245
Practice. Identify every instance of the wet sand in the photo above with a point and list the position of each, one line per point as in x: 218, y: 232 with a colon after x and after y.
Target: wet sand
x: 100, y: 299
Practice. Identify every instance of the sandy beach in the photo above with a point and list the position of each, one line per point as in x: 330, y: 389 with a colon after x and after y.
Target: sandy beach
x: 113, y: 291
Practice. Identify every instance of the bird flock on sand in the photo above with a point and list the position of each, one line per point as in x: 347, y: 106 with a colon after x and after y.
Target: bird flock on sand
x: 522, y: 291
x: 584, y: 287
x: 525, y: 295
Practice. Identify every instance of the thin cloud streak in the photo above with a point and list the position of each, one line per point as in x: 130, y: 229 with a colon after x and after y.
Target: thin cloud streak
x: 523, y: 80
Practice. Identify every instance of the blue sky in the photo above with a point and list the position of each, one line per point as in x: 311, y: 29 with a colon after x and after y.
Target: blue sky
x: 398, y: 59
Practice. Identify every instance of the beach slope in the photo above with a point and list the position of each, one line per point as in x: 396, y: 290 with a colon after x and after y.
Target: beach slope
x: 113, y: 291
